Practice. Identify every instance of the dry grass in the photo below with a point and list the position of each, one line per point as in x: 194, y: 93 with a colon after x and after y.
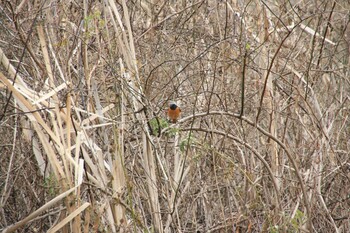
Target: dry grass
x: 262, y: 145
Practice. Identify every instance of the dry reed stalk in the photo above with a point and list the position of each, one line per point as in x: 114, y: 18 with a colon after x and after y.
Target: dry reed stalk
x: 57, y: 135
x: 57, y: 125
x: 69, y: 218
x: 126, y: 45
x: 36, y: 213
x: 271, y: 105
x: 118, y: 167
x: 36, y: 119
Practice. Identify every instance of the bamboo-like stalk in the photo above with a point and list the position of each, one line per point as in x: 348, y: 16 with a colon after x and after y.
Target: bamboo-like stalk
x: 69, y: 218
x: 126, y: 45
x: 59, y: 123
x: 270, y: 106
x: 36, y: 213
x: 118, y: 174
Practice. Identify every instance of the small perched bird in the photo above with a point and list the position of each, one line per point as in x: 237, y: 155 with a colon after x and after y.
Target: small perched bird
x: 174, y: 112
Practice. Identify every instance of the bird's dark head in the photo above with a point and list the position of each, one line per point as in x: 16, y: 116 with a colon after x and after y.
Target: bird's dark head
x: 173, y: 106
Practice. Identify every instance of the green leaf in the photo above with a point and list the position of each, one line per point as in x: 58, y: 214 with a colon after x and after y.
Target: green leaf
x: 157, y: 124
x: 298, y: 219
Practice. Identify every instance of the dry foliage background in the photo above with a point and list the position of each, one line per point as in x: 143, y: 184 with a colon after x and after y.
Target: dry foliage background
x: 262, y: 145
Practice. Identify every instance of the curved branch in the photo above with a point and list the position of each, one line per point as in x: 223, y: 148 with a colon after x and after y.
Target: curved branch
x: 267, y: 134
x: 266, y: 165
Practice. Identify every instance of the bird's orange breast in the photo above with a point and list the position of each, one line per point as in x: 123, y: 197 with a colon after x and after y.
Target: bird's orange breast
x: 174, y: 114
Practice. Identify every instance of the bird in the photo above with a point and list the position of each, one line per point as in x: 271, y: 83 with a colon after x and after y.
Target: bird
x: 174, y: 112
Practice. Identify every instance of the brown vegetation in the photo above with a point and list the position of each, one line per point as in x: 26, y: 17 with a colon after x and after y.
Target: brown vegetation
x: 262, y: 144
